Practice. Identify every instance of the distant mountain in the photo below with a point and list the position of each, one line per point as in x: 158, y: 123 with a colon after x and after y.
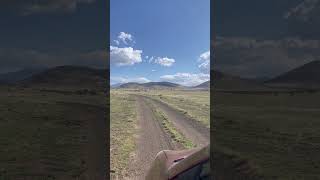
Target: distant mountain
x: 162, y: 84
x: 260, y: 79
x: 205, y: 85
x: 131, y: 85
x: 69, y: 76
x: 13, y: 77
x: 150, y: 85
x: 307, y: 75
x: 223, y: 81
x: 116, y: 85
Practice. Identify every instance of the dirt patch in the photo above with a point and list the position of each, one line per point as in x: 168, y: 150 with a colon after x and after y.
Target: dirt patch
x: 198, y: 133
x: 152, y: 137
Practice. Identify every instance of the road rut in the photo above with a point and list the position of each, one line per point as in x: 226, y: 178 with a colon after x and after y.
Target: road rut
x: 191, y: 129
x: 152, y: 138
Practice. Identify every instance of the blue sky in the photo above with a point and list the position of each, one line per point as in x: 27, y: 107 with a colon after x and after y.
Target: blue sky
x: 176, y: 33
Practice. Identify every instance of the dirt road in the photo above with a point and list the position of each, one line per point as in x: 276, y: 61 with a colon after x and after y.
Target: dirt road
x: 152, y: 138
x: 191, y: 129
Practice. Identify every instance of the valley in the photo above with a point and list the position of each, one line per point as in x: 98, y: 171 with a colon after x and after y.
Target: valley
x: 155, y: 124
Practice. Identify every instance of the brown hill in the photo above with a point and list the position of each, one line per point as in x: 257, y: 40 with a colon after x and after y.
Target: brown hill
x: 305, y: 76
x: 157, y: 85
x: 223, y: 81
x: 205, y: 85
x: 69, y: 76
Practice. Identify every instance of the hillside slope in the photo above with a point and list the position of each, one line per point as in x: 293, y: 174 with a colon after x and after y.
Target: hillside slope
x: 74, y: 76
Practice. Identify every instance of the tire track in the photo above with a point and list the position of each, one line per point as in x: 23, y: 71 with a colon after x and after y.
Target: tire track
x: 152, y: 138
x: 191, y: 129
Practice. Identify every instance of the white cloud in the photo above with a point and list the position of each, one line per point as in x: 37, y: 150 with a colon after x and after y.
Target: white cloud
x: 205, y: 62
x: 151, y: 59
x: 186, y: 79
x: 125, y: 37
x: 205, y: 56
x: 124, y: 56
x: 153, y: 70
x: 116, y: 41
x: 116, y: 80
x: 164, y: 61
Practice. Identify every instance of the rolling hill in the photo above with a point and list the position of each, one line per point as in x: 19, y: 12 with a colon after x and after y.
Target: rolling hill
x: 223, y: 81
x: 305, y: 76
x: 13, y: 77
x: 68, y: 76
x: 117, y: 85
x: 205, y: 85
x: 155, y: 85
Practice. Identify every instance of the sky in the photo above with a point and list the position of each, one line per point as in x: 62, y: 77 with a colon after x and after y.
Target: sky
x: 50, y: 33
x: 254, y: 39
x: 167, y: 40
x: 265, y: 38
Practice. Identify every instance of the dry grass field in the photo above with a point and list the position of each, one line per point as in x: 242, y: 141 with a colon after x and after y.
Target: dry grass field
x: 141, y: 126
x: 278, y: 134
x: 123, y: 129
x: 47, y: 134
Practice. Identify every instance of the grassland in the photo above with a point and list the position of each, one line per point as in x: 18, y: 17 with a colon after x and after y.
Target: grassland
x: 195, y: 104
x: 279, y: 134
x: 123, y: 128
x: 44, y: 134
x: 124, y: 122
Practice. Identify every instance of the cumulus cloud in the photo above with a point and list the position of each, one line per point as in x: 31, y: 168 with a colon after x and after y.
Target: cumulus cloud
x: 151, y: 59
x: 186, y: 79
x: 121, y: 80
x: 125, y: 56
x: 164, y: 61
x: 125, y: 37
x: 44, y: 6
x: 116, y: 41
x: 204, y: 59
x: 15, y: 58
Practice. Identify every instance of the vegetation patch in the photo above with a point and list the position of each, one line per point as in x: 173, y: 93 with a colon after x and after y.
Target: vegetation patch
x: 41, y: 137
x: 280, y: 134
x: 171, y: 130
x: 229, y: 165
x: 123, y: 129
x: 194, y: 104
